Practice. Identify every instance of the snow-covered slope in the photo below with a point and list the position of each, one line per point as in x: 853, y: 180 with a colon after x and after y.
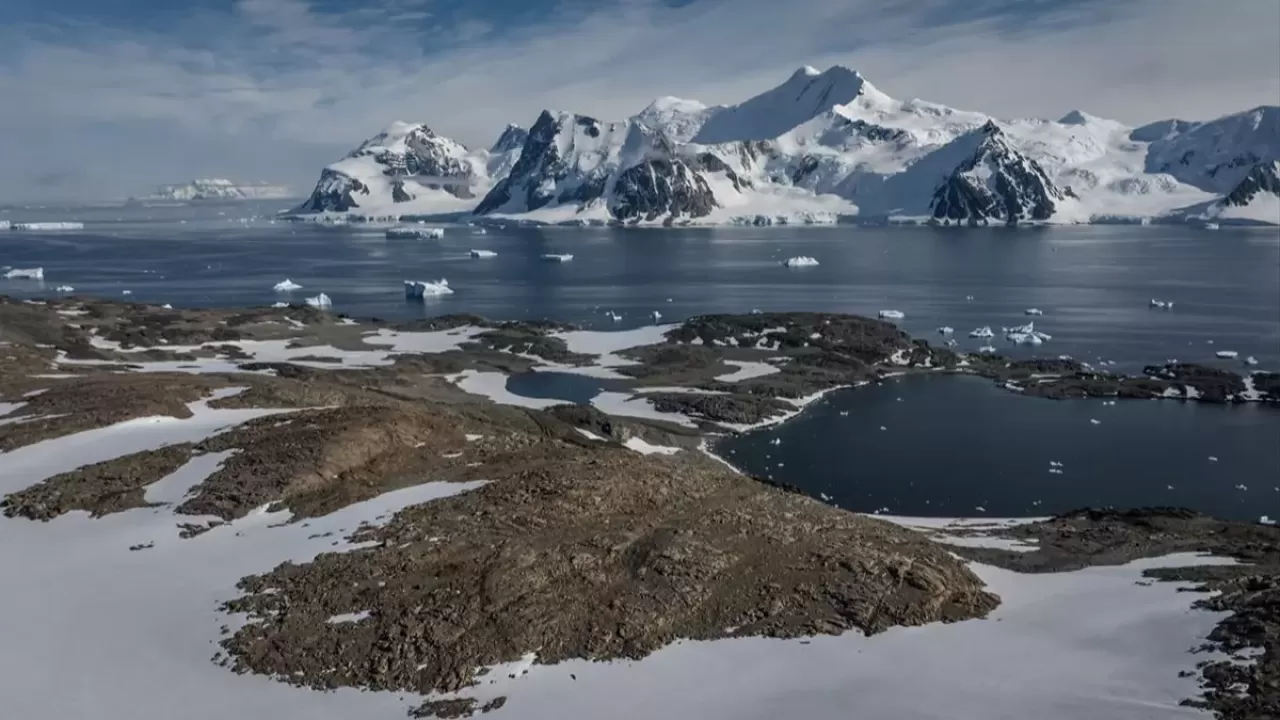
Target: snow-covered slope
x: 818, y: 146
x: 218, y: 189
x: 409, y: 169
x: 1254, y: 200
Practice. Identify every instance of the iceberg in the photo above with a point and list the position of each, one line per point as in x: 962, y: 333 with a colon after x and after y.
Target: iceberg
x: 4, y: 224
x: 1162, y: 304
x: 891, y: 315
x: 280, y: 305
x: 656, y: 316
x: 800, y: 261
x: 556, y: 257
x: 986, y: 349
x: 1227, y: 354
x: 1251, y: 360
x: 946, y: 330
x: 286, y: 285
x: 415, y: 233
x: 1033, y: 311
x: 1026, y: 335
x: 47, y: 226
x: 320, y: 301
x: 982, y: 332
x: 418, y: 289
x: 25, y: 274
x: 483, y: 253
x: 64, y: 289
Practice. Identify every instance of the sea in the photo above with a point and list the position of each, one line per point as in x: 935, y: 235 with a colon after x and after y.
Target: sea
x: 937, y: 446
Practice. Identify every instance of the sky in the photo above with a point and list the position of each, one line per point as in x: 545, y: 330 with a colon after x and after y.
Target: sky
x: 101, y: 99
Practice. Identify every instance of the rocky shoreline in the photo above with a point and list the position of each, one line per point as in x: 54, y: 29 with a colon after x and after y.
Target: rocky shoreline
x: 584, y: 531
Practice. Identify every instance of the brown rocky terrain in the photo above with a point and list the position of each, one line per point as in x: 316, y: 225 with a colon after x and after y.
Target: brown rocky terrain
x: 574, y: 546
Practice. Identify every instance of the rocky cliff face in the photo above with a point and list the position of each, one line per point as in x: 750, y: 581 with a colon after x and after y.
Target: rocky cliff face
x: 632, y: 171
x: 996, y: 184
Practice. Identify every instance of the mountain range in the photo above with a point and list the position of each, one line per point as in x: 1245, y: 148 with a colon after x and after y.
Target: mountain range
x: 821, y: 147
x: 217, y: 189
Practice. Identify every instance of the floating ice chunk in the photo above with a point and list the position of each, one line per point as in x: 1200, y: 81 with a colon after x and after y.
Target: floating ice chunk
x: 1162, y: 304
x: 946, y: 330
x: 280, y: 305
x: 986, y: 349
x: 1251, y: 360
x: 891, y: 315
x: 1026, y: 335
x: 47, y: 226
x: 1033, y: 311
x: 64, y: 289
x: 951, y: 342
x: 556, y: 257
x: 1210, y: 226
x: 415, y: 233
x: 1242, y: 487
x: 982, y: 332
x: 776, y: 441
x: 1266, y: 520
x: 483, y: 253
x: 968, y: 297
x: 25, y: 274
x: 1093, y: 421
x: 480, y: 231
x: 286, y: 285
x: 126, y: 292
x: 757, y: 311
x: 613, y: 316
x: 883, y: 427
x: 1213, y: 458
x: 1227, y: 354
x: 800, y: 261
x: 657, y: 316
x: 417, y: 289
x: 166, y: 306
x: 320, y: 301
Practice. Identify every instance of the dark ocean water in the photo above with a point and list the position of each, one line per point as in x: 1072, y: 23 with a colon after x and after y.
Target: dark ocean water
x: 960, y: 444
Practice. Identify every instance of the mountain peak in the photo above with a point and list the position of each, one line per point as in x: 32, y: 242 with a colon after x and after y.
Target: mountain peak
x: 805, y: 95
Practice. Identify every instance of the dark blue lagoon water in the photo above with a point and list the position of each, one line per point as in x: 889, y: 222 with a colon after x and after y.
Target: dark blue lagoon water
x: 961, y: 446
x: 950, y: 445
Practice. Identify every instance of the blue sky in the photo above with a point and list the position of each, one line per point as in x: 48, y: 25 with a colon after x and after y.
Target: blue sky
x: 103, y: 98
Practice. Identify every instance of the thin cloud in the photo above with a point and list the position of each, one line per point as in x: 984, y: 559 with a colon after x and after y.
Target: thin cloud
x: 276, y: 88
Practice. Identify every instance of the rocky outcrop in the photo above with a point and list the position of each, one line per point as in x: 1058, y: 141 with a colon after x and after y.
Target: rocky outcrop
x: 997, y: 183
x: 657, y: 188
x: 1263, y: 178
x: 335, y: 192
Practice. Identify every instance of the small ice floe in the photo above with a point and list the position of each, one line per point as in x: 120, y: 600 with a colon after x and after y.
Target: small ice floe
x: 1210, y: 226
x: 476, y: 253
x: 891, y: 315
x: 25, y: 274
x: 1033, y: 311
x: 280, y: 305
x: 479, y: 231
x: 47, y: 226
x: 613, y: 316
x: 418, y: 289
x: 166, y: 306
x: 800, y: 261
x: 844, y: 413
x: 951, y: 342
x: 757, y: 311
x: 1094, y: 421
x: 286, y: 285
x: 827, y: 498
x: 982, y: 332
x: 320, y: 301
x: 126, y: 292
x: 1242, y: 487
x: 1227, y: 354
x: 1054, y: 463
x: 64, y: 289
x: 883, y: 427
x: 1162, y: 304
x: 776, y: 441
x: 1213, y: 458
x: 968, y: 297
x: 415, y: 233
x: 1064, y: 357
x: 1251, y: 360
x: 986, y: 349
x: 556, y: 257
x: 980, y: 508
x: 1265, y: 520
x: 657, y: 316
x: 946, y: 330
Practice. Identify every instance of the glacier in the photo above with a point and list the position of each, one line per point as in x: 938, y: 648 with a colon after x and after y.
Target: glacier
x: 824, y: 146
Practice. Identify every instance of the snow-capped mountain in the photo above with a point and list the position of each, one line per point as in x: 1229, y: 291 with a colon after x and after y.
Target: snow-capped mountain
x: 218, y: 189
x: 409, y: 169
x: 1254, y: 200
x: 819, y: 146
